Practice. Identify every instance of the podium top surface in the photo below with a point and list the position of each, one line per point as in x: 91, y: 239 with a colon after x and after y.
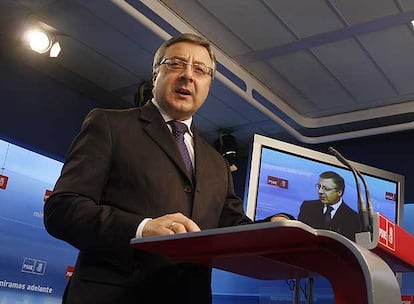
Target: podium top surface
x: 258, y: 250
x: 270, y: 247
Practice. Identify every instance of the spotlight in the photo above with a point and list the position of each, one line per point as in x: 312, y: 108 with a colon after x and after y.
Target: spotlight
x: 41, y: 41
x: 55, y: 50
x: 227, y: 146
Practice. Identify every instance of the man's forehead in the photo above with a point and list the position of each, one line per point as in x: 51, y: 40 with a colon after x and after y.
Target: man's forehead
x: 186, y: 49
x: 326, y: 181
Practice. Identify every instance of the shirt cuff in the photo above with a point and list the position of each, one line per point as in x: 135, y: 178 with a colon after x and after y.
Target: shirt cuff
x: 138, y: 234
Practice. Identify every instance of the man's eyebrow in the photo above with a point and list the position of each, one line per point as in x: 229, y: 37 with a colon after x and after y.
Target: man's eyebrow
x: 177, y: 57
x: 185, y: 60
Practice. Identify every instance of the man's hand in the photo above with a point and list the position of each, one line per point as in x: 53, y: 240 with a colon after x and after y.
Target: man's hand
x: 169, y: 224
x: 279, y: 218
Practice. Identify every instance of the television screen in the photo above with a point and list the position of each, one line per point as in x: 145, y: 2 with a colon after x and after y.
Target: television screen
x: 287, y: 178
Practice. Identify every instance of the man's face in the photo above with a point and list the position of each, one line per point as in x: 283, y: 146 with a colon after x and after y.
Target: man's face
x: 182, y: 93
x: 328, y: 194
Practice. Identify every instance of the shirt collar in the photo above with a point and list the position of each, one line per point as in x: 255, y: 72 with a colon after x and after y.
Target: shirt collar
x: 168, y: 118
x: 336, y: 205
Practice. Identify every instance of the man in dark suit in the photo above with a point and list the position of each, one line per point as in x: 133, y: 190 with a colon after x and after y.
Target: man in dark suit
x: 125, y: 177
x: 330, y: 211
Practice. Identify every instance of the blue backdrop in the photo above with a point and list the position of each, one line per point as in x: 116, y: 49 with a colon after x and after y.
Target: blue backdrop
x: 33, y: 265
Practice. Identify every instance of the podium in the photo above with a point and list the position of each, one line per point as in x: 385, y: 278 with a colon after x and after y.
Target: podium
x: 392, y: 243
x: 286, y: 250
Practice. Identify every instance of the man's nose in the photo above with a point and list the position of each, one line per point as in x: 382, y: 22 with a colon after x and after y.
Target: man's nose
x: 187, y: 72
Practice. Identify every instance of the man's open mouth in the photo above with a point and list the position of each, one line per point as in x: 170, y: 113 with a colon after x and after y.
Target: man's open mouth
x: 183, y: 91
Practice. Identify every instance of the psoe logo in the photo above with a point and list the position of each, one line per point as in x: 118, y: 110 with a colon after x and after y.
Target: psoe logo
x: 383, y: 234
x: 34, y: 266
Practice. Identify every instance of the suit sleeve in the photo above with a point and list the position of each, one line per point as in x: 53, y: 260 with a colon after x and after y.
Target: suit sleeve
x: 75, y: 212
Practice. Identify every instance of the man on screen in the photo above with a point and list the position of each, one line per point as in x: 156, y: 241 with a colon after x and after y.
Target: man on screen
x: 330, y: 211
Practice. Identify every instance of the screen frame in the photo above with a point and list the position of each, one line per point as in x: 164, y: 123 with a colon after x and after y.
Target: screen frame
x: 254, y: 165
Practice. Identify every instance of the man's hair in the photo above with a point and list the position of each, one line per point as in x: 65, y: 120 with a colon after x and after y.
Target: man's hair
x: 186, y: 37
x: 337, y: 179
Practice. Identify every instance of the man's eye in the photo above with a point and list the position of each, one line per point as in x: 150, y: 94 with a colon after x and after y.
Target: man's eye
x: 198, y: 69
x: 176, y: 65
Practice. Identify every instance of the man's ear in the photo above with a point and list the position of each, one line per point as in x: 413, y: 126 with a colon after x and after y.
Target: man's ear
x: 154, y: 74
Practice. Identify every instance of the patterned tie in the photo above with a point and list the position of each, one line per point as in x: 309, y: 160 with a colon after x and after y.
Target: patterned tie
x: 327, y: 215
x: 178, y: 131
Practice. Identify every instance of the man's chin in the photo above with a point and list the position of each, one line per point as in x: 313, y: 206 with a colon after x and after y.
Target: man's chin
x: 179, y: 111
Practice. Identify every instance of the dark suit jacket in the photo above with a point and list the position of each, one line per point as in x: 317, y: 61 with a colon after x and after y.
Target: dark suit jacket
x: 345, y: 221
x: 124, y: 166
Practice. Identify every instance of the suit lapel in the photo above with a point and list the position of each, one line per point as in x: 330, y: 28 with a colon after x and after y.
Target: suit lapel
x: 157, y: 129
x: 200, y: 157
x: 201, y: 161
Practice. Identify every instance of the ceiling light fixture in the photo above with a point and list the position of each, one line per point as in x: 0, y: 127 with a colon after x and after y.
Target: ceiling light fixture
x: 42, y: 39
x: 55, y: 50
x: 412, y: 23
x: 39, y: 41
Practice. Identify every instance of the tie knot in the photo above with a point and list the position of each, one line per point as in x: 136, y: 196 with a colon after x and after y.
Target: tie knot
x: 177, y: 127
x: 329, y: 209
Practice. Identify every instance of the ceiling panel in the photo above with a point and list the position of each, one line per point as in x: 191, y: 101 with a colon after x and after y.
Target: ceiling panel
x: 393, y: 50
x: 357, y: 11
x: 306, y: 18
x: 312, y: 80
x: 208, y: 24
x: 124, y: 23
x: 356, y: 72
x: 407, y: 5
x: 276, y: 83
x: 247, y: 19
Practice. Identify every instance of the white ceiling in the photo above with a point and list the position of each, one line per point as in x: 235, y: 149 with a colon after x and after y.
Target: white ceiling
x: 318, y: 70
